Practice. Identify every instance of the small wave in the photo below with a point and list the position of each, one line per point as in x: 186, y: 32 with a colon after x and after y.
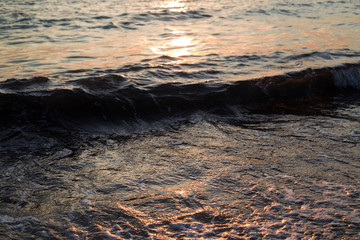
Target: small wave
x: 166, y: 15
x: 347, y: 77
x: 19, y: 84
x: 113, y: 97
x: 96, y: 84
x: 78, y: 56
x: 109, y: 25
x: 101, y: 17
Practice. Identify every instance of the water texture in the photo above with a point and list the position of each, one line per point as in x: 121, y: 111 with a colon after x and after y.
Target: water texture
x: 179, y: 119
x: 204, y: 40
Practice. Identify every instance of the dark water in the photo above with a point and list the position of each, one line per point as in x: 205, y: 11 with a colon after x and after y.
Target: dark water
x: 179, y: 119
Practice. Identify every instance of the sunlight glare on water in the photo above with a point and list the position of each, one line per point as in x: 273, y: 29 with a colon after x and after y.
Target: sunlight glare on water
x: 174, y: 6
x: 179, y: 47
x: 240, y: 39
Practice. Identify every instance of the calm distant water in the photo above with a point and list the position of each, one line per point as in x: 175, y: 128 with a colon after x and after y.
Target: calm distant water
x: 179, y: 119
x: 237, y: 39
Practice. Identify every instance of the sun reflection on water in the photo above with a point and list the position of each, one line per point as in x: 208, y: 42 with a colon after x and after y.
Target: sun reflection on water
x: 180, y: 46
x: 181, y: 42
x: 174, y: 6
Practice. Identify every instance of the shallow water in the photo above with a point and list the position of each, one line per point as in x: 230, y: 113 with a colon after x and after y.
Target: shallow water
x: 263, y: 176
x: 179, y: 119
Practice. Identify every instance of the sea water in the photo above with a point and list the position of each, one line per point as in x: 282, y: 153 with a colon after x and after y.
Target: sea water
x: 179, y: 119
x: 181, y: 40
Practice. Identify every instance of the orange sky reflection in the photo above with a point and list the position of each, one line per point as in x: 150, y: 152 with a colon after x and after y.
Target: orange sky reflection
x: 180, y: 29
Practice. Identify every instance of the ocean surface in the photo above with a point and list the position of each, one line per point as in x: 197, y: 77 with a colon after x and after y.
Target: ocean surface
x: 179, y: 119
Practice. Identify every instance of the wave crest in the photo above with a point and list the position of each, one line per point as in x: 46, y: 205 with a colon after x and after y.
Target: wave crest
x: 113, y: 97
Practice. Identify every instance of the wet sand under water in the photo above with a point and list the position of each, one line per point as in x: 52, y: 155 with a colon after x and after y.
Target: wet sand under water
x: 271, y: 176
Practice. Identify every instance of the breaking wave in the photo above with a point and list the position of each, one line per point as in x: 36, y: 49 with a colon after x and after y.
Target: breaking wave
x: 112, y: 97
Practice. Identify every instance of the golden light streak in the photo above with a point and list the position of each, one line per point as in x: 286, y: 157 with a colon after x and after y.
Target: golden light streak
x: 174, y: 6
x: 178, y: 47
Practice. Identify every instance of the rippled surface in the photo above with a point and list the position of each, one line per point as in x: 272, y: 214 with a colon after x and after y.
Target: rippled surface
x: 235, y: 39
x: 256, y: 176
x: 124, y: 119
